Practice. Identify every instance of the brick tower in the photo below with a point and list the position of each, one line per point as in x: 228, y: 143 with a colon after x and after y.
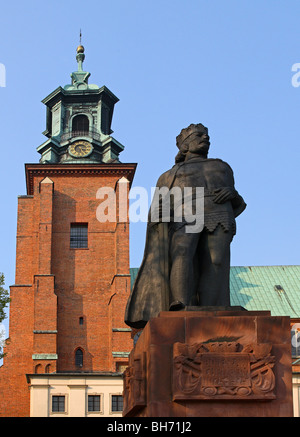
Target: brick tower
x: 68, y: 340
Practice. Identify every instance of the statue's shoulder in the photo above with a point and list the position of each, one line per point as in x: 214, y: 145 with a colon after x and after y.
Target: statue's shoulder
x: 220, y: 162
x: 164, y: 178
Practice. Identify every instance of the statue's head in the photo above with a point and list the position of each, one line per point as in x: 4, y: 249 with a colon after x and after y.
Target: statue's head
x: 193, y: 138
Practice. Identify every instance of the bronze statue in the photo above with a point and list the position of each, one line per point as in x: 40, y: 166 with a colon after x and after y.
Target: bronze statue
x: 183, y: 268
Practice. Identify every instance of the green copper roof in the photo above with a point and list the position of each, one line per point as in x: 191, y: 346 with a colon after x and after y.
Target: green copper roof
x: 263, y: 288
x: 274, y: 288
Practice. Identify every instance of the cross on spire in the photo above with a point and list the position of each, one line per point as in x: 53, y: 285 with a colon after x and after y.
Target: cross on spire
x: 80, y: 53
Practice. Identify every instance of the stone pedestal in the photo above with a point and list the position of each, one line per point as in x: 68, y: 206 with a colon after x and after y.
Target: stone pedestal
x: 211, y: 363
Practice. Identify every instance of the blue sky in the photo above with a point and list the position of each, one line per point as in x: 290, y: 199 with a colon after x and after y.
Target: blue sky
x: 226, y: 64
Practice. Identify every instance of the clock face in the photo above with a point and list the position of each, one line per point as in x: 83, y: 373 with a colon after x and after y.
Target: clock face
x: 80, y: 149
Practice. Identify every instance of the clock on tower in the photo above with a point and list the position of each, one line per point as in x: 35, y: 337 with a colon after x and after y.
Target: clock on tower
x: 80, y: 149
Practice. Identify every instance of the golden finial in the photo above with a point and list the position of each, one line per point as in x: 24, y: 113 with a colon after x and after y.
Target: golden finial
x: 80, y: 49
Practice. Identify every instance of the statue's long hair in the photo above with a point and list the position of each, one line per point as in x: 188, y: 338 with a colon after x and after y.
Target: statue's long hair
x: 180, y: 157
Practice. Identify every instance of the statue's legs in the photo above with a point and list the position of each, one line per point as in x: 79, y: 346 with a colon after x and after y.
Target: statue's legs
x: 200, y: 267
x: 183, y: 247
x: 213, y: 257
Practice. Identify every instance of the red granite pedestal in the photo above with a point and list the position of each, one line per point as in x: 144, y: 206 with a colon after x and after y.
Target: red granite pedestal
x: 211, y: 363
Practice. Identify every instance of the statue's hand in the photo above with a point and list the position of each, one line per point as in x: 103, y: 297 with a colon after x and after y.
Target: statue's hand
x: 222, y: 195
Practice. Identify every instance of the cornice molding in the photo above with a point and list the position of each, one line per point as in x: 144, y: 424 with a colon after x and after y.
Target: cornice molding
x: 120, y: 169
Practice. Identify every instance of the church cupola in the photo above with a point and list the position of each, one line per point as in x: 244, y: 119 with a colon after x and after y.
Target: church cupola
x: 78, y: 122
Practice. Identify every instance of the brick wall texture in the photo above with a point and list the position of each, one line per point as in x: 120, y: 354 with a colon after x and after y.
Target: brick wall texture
x: 64, y: 299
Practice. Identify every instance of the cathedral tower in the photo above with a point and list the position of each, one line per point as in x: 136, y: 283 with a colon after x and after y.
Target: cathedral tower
x: 68, y: 342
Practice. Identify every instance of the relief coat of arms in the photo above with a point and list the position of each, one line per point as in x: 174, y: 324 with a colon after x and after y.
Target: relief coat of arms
x: 223, y: 370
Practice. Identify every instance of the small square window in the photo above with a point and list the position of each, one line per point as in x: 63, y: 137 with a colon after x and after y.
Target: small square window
x: 79, y: 236
x: 117, y: 403
x: 58, y: 404
x: 93, y: 402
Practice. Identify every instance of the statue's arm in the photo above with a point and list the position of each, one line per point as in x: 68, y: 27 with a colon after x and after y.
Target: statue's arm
x: 238, y: 204
x: 237, y: 201
x: 229, y: 193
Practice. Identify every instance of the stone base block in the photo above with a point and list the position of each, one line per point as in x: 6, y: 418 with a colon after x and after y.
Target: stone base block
x: 211, y: 363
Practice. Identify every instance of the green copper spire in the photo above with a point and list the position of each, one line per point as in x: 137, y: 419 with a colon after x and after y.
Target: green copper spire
x: 80, y: 57
x: 80, y: 77
x: 80, y: 54
x: 78, y: 124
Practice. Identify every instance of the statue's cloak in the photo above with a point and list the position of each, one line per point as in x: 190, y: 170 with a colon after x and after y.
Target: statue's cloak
x: 147, y: 297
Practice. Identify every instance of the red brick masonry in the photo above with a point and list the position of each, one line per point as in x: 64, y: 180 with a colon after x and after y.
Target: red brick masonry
x: 56, y: 285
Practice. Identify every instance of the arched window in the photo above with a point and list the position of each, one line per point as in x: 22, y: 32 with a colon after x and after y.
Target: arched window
x: 47, y: 368
x: 78, y: 358
x: 80, y: 123
x: 38, y: 368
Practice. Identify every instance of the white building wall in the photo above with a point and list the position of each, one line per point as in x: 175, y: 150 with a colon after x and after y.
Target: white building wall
x: 76, y: 390
x: 296, y: 395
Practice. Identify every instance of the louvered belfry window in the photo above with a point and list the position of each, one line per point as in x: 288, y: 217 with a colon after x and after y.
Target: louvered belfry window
x: 80, y: 123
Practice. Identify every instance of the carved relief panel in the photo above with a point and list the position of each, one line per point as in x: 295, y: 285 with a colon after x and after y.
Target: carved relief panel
x: 223, y: 370
x: 134, y: 394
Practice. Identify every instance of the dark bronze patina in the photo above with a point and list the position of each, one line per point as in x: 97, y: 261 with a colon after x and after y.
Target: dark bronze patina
x: 180, y: 268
